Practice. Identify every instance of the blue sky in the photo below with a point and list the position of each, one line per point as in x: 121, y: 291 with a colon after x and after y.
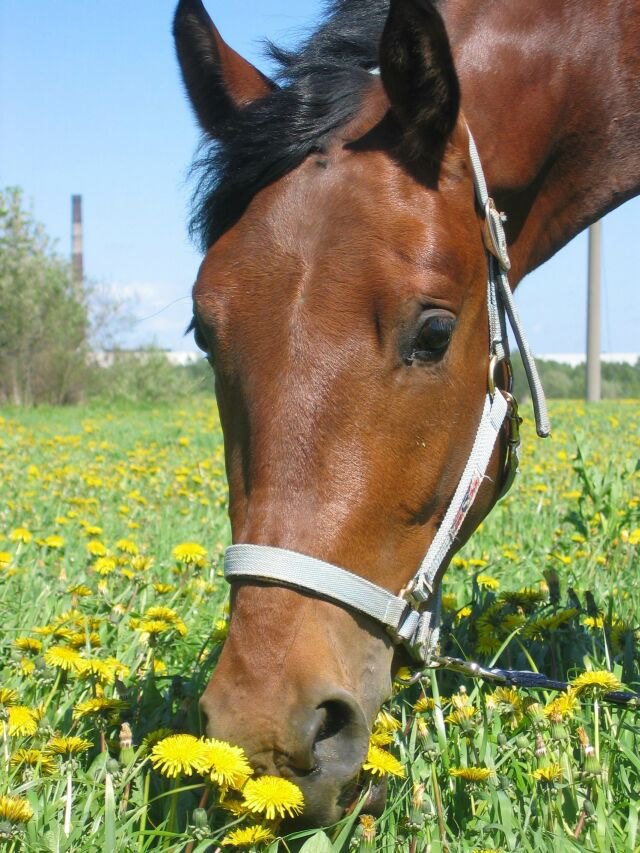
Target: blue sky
x: 91, y: 102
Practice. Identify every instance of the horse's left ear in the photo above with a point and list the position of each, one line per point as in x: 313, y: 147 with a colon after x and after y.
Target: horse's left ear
x: 419, y: 76
x: 218, y: 80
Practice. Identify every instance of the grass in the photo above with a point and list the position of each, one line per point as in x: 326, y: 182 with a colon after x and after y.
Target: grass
x: 94, y: 503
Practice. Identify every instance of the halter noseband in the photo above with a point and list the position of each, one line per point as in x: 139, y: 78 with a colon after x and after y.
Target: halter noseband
x: 412, y: 617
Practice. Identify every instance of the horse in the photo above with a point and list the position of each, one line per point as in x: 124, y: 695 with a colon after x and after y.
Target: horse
x: 343, y: 304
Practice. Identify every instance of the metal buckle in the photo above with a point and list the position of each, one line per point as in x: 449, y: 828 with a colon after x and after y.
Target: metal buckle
x: 512, y: 461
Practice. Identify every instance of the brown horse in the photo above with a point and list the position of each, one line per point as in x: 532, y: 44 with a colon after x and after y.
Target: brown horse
x: 343, y: 304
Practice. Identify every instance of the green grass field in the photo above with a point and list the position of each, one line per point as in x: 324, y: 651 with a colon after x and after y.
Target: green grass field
x: 112, y: 606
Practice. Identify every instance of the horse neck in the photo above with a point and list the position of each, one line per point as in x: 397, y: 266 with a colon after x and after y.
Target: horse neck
x: 551, y: 93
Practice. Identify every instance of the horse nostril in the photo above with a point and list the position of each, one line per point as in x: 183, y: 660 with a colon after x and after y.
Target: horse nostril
x: 341, y: 735
x: 337, y: 716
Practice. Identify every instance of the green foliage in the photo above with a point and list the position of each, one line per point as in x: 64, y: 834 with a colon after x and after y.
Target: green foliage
x: 561, y: 381
x: 147, y: 376
x: 43, y: 324
x: 551, y: 580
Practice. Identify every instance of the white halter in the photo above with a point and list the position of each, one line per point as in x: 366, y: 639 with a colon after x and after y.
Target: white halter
x: 412, y: 617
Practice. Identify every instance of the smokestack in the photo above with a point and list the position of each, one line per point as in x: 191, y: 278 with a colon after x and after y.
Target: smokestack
x: 77, y: 253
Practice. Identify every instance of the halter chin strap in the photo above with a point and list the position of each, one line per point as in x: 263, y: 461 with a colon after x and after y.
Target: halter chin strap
x: 412, y: 618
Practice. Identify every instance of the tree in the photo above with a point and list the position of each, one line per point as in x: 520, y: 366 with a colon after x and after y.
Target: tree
x: 43, y: 322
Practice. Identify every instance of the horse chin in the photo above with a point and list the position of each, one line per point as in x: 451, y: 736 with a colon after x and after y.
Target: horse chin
x: 323, y: 807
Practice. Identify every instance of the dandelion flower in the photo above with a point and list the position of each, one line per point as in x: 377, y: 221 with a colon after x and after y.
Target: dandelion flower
x: 127, y: 546
x: 249, y: 836
x: 8, y: 696
x: 386, y: 722
x: 33, y: 758
x: 474, y: 775
x: 273, y: 796
x: 22, y: 721
x: 597, y: 683
x: 60, y: 657
x: 561, y: 708
x: 100, y: 706
x: 548, y: 775
x: 488, y: 582
x: 424, y: 703
x: 177, y: 755
x: 226, y: 765
x: 54, y: 542
x: 104, y: 566
x: 381, y: 763
x: 68, y: 746
x: 96, y: 548
x: 190, y: 554
x: 15, y: 809
x: 28, y: 644
x: 21, y: 534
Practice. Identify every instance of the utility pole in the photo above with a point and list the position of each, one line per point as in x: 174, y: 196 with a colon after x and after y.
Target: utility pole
x: 594, y: 304
x: 77, y: 250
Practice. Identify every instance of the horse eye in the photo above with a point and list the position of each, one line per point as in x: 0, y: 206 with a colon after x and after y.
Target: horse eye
x: 434, y: 335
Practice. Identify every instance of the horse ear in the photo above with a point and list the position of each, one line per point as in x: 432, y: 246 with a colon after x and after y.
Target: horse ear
x: 419, y: 76
x: 218, y: 80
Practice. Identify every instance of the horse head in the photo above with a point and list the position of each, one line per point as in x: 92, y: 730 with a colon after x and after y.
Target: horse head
x: 342, y: 303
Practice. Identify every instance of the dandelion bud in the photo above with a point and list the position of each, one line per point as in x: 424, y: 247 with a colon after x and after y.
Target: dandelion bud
x: 112, y: 766
x: 541, y: 748
x: 366, y: 832
x: 502, y: 739
x: 588, y: 808
x: 200, y: 819
x: 127, y: 753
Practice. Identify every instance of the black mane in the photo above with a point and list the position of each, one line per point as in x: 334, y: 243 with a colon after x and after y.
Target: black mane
x: 320, y: 89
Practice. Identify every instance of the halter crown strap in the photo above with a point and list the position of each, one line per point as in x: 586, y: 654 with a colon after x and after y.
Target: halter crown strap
x: 413, y: 617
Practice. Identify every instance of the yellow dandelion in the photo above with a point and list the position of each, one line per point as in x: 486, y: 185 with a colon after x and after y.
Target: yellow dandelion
x: 386, y: 722
x: 488, y: 582
x: 190, y: 553
x: 163, y: 588
x: 28, y: 644
x: 104, y: 565
x: 21, y: 534
x: 381, y: 763
x: 8, y: 696
x: 54, y: 542
x: 461, y: 716
x: 473, y: 775
x: 15, y: 809
x: 273, y: 796
x: 33, y: 758
x: 153, y: 627
x: 100, y: 670
x: 80, y: 640
x: 96, y: 548
x: 5, y: 559
x: 463, y: 613
x: 60, y: 657
x: 424, y: 704
x: 449, y: 602
x: 100, y: 706
x: 68, y: 746
x: 141, y: 562
x: 22, y: 721
x: 597, y: 683
x: 508, y: 704
x: 177, y: 755
x: 80, y: 589
x: 226, y: 765
x: 381, y: 738
x: 248, y: 836
x: 127, y: 546
x: 594, y: 623
x: 548, y: 775
x: 561, y: 708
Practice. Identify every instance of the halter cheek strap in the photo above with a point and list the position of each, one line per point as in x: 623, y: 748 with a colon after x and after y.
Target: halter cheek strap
x: 412, y: 617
